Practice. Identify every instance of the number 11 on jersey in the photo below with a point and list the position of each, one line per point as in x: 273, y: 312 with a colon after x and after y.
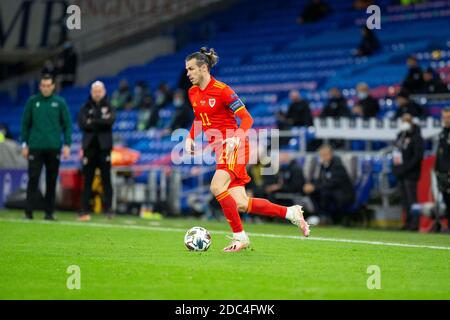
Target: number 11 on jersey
x: 205, y: 119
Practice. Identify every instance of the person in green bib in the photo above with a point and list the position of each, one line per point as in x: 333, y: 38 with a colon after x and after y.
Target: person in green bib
x: 45, y: 120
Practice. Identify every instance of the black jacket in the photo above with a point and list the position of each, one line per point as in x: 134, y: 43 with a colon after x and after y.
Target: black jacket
x: 299, y: 114
x: 413, y: 82
x: 183, y: 117
x: 335, y: 179
x: 96, y: 121
x: 411, y: 146
x: 370, y: 107
x: 443, y: 152
x: 292, y: 178
x: 412, y: 108
x: 336, y: 107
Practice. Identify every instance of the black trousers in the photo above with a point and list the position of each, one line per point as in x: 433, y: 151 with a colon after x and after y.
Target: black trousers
x: 408, y: 192
x: 444, y: 188
x: 94, y: 158
x: 36, y: 160
x: 446, y: 197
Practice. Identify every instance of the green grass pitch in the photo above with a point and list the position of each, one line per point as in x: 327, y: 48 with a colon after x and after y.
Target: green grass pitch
x: 132, y: 258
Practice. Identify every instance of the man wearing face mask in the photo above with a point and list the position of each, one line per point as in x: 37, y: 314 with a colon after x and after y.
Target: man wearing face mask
x: 366, y: 107
x: 183, y: 112
x: 407, y: 159
x: 331, y: 189
x: 442, y: 165
x: 96, y: 119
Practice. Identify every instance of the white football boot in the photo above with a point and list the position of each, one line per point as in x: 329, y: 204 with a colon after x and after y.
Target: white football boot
x: 299, y: 220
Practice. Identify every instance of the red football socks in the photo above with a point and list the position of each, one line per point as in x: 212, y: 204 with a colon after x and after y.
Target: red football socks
x: 266, y: 208
x: 230, y: 211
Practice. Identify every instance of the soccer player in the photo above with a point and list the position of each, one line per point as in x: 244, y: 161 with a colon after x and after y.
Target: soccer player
x: 216, y: 106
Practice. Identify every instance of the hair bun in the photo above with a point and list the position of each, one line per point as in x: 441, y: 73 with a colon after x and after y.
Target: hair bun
x: 211, y: 54
x: 205, y: 56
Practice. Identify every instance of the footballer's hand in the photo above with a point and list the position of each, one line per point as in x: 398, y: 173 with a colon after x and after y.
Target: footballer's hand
x: 189, y: 145
x: 231, y: 144
x: 66, y: 152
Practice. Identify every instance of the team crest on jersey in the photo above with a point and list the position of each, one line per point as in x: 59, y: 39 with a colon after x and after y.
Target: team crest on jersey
x: 212, y: 102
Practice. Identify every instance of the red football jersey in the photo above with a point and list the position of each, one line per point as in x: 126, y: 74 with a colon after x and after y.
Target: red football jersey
x: 215, y: 106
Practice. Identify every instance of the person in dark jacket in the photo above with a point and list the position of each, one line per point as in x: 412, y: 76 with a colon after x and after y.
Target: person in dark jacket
x: 336, y: 106
x: 407, y: 159
x: 367, y: 106
x: 290, y: 179
x: 442, y: 166
x: 413, y: 83
x: 95, y: 120
x: 369, y: 43
x: 298, y: 114
x: 432, y: 83
x: 407, y: 106
x: 331, y: 189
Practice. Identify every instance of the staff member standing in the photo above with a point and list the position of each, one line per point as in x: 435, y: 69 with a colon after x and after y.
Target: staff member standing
x: 407, y: 160
x: 442, y: 166
x: 96, y: 119
x: 45, y: 119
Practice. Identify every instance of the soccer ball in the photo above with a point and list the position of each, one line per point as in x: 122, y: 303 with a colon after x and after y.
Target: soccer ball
x: 197, y: 239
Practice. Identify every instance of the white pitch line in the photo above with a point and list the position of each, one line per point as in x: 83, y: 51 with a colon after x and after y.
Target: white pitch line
x: 263, y: 235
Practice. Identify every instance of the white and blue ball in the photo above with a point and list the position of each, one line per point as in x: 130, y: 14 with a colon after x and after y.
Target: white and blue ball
x: 197, y: 239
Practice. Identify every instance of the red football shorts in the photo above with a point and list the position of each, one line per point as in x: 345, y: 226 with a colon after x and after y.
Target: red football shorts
x: 235, y: 164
